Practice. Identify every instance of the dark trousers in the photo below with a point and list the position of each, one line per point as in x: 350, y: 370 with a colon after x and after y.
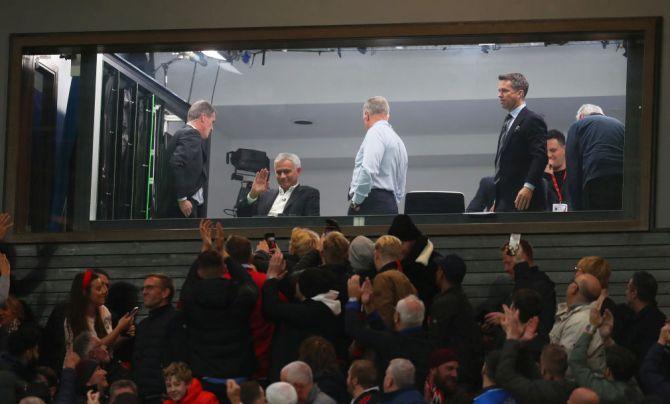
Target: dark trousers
x: 603, y: 193
x: 197, y: 211
x: 378, y: 202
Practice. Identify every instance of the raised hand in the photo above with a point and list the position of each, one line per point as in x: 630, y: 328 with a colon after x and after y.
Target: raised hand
x: 354, y: 289
x: 219, y: 240
x: 366, y: 291
x: 5, y: 224
x: 4, y: 265
x: 530, y: 330
x: 71, y: 359
x: 233, y: 391
x: 277, y: 266
x: 511, y: 324
x: 260, y: 183
x: 607, y: 325
x: 206, y: 234
x: 664, y: 336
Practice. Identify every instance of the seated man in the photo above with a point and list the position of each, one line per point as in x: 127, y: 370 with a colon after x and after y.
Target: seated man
x: 291, y: 199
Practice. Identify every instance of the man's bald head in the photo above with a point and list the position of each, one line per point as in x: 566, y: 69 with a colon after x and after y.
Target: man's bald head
x: 582, y: 395
x: 589, y: 287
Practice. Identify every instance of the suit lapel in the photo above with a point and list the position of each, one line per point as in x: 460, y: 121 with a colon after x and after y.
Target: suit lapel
x: 292, y: 199
x: 516, y: 124
x: 267, y: 202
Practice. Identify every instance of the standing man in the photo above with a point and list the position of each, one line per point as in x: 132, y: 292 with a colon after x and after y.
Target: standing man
x: 158, y: 339
x: 291, y: 199
x: 188, y: 161
x: 522, y: 150
x: 555, y: 174
x: 595, y: 160
x: 380, y: 169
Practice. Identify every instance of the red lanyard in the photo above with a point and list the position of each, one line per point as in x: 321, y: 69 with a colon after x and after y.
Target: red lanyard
x: 556, y: 188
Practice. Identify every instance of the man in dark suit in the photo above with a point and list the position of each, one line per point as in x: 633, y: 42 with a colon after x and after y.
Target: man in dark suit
x: 522, y: 150
x: 595, y: 160
x: 485, y: 196
x: 188, y: 161
x: 291, y: 199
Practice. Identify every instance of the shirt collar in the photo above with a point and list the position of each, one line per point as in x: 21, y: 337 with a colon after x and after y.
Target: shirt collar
x: 381, y: 122
x: 290, y: 189
x: 515, y: 111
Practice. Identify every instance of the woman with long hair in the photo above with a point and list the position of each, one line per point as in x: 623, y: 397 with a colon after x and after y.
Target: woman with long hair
x: 86, y: 310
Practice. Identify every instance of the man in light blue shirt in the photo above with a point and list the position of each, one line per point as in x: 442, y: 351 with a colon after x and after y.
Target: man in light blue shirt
x: 380, y: 168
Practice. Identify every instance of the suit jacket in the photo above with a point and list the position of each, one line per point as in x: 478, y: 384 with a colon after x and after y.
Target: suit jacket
x: 304, y: 201
x: 486, y: 194
x: 522, y: 158
x: 188, y: 162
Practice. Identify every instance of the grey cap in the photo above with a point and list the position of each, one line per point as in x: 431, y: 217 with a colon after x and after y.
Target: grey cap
x: 361, y: 254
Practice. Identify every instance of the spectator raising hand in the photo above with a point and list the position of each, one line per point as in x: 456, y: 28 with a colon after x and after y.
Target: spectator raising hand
x: 6, y: 223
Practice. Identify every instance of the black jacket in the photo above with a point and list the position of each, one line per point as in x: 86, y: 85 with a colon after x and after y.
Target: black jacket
x: 639, y: 331
x: 452, y: 324
x: 420, y: 266
x: 412, y: 343
x: 523, y: 389
x: 188, y: 162
x: 527, y: 277
x: 295, y: 322
x: 594, y: 149
x: 551, y: 191
x: 304, y: 201
x: 158, y: 340
x: 217, y: 316
x: 522, y: 158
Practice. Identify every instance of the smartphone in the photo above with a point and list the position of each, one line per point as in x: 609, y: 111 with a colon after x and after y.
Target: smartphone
x: 270, y: 239
x: 513, y: 246
x: 134, y: 311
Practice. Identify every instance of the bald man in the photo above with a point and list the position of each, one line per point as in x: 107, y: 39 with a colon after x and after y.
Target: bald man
x: 582, y: 395
x: 572, y: 317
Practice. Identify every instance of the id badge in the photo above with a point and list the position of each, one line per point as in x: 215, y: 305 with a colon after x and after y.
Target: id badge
x: 560, y: 207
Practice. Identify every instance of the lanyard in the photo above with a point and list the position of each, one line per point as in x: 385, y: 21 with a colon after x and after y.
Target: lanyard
x: 556, y: 188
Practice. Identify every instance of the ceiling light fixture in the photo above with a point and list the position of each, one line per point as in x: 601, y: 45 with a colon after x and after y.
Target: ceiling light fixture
x: 303, y: 122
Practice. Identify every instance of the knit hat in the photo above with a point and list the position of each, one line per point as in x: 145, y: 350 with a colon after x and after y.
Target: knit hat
x: 361, y: 254
x: 453, y: 268
x: 85, y: 369
x: 440, y: 357
x: 404, y: 228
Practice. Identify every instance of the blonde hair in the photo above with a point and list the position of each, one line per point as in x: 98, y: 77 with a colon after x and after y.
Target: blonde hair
x: 390, y: 247
x: 303, y: 241
x: 598, y: 267
x: 178, y: 370
x: 335, y: 248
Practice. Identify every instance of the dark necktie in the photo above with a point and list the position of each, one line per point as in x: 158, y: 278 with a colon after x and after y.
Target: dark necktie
x: 502, y: 138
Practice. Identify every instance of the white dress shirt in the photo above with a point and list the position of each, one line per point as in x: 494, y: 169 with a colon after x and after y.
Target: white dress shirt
x: 381, y: 163
x: 280, y: 201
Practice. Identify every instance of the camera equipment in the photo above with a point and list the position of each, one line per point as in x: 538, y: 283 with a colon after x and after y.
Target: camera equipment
x: 247, y: 163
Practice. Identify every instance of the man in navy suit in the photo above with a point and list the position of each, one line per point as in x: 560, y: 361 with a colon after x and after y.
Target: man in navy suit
x: 522, y: 150
x: 291, y: 199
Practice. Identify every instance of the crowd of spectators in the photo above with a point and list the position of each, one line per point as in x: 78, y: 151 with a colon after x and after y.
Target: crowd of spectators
x: 336, y: 320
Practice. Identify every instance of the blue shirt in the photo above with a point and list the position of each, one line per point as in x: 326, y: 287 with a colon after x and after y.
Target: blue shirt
x: 381, y: 163
x: 494, y: 395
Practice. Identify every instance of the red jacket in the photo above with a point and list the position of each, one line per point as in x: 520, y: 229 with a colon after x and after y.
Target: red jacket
x: 195, y: 395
